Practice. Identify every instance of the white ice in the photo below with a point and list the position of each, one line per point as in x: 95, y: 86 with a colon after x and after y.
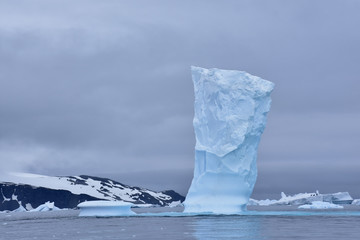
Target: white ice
x: 48, y: 206
x: 306, y: 198
x: 230, y: 116
x: 20, y: 209
x: 105, y: 209
x: 320, y: 205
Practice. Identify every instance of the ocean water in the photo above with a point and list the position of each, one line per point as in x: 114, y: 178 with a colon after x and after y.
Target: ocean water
x: 344, y: 224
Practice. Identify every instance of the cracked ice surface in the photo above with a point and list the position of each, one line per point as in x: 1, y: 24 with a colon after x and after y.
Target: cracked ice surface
x: 230, y: 116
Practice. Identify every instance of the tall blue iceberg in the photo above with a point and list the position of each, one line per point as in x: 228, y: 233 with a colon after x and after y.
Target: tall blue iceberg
x: 230, y: 116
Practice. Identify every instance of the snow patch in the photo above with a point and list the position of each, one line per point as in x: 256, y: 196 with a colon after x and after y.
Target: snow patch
x: 5, y: 199
x: 14, y: 197
x: 28, y: 206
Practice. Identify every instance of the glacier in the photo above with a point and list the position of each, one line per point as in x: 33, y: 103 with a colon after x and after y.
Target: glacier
x: 230, y: 115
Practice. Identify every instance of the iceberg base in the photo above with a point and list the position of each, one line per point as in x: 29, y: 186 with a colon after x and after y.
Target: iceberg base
x: 105, y: 209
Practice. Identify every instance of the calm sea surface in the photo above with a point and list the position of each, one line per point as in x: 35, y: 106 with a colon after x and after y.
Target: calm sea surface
x: 66, y: 225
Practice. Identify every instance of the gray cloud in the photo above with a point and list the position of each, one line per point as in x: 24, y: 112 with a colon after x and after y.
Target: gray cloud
x: 104, y: 87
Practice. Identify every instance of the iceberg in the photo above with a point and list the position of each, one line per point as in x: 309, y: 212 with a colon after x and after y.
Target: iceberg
x: 105, y: 209
x: 306, y: 198
x: 320, y: 205
x: 48, y: 206
x: 230, y: 115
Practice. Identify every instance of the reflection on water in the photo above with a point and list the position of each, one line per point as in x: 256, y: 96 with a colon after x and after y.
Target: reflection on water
x: 227, y: 227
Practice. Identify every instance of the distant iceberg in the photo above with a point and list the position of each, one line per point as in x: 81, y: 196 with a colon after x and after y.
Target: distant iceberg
x: 230, y: 116
x: 105, y: 209
x: 306, y: 198
x: 48, y: 206
x: 320, y: 205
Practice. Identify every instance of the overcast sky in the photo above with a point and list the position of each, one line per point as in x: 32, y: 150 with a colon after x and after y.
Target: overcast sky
x: 104, y: 87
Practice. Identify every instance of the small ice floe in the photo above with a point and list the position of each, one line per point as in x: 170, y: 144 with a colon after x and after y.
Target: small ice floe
x: 320, y: 205
x: 105, y: 209
x: 266, y: 202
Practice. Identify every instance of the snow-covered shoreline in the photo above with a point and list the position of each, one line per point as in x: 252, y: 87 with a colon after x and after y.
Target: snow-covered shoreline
x: 32, y: 190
